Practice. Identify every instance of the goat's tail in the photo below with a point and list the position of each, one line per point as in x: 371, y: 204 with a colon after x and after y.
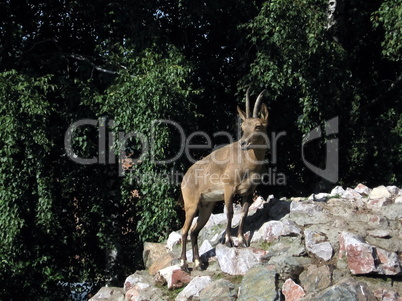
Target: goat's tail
x: 180, y: 200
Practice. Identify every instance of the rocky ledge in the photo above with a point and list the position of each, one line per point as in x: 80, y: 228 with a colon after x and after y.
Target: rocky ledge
x: 343, y: 245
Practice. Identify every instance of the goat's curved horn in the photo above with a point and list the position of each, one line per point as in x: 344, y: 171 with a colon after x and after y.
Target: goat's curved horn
x: 248, y: 115
x: 258, y: 104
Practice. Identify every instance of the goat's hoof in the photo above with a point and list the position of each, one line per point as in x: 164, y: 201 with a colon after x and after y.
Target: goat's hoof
x: 184, y: 266
x: 243, y: 244
x: 229, y: 244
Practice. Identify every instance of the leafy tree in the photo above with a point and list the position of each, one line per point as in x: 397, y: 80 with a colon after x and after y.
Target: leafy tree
x: 313, y: 76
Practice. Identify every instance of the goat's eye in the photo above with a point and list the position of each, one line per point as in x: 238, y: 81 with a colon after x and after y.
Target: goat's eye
x: 258, y: 128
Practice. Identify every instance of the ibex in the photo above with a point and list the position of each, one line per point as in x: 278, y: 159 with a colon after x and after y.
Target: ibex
x: 233, y: 169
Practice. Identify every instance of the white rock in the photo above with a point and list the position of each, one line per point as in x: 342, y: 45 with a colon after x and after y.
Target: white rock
x: 380, y: 192
x: 378, y: 203
x: 319, y: 197
x: 268, y: 232
x: 338, y: 190
x: 290, y: 228
x: 362, y: 189
x: 316, y: 244
x: 237, y: 261
x: 393, y: 190
x: 173, y: 239
x: 351, y: 194
x: 258, y: 203
x: 309, y: 208
x: 203, y: 250
x: 173, y: 276
x: 398, y: 200
x: 379, y: 233
x: 193, y: 289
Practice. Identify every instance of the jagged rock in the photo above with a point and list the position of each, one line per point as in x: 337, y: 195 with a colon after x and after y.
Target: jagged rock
x: 193, y: 289
x: 363, y: 258
x: 272, y: 230
x: 173, y: 276
x: 337, y: 191
x: 163, y: 262
x: 143, y: 293
x: 319, y: 197
x: 291, y: 246
x: 351, y: 194
x: 380, y: 192
x: 268, y: 232
x: 359, y: 255
x: 289, y: 267
x: 386, y: 295
x: 362, y: 189
x: 152, y: 252
x: 346, y: 290
x: 382, y: 233
x: 220, y: 290
x: 316, y: 244
x: 259, y: 284
x: 237, y: 261
x: 292, y: 291
x: 316, y: 278
x: 109, y: 294
x: 393, y: 190
x: 377, y: 204
x: 290, y: 228
x: 139, y: 277
x: 398, y: 200
x: 389, y: 262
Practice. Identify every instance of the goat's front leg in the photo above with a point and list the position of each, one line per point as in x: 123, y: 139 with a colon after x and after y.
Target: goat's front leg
x: 229, y: 214
x: 240, y: 234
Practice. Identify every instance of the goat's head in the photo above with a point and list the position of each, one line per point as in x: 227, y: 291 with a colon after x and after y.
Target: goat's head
x: 254, y: 127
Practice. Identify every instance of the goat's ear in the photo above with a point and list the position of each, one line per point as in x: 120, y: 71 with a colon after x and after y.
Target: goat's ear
x: 264, y: 114
x: 242, y: 114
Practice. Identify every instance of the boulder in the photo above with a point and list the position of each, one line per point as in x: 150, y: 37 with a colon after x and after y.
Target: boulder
x: 348, y: 290
x: 386, y: 295
x: 237, y: 261
x: 337, y: 191
x: 173, y: 276
x: 153, y: 252
x: 140, y: 278
x: 193, y: 289
x: 220, y: 290
x: 380, y: 192
x: 363, y: 258
x: 316, y: 278
x: 359, y: 255
x: 316, y: 244
x: 259, y: 283
x: 378, y: 203
x: 109, y: 294
x: 292, y: 291
x: 362, y: 189
x: 143, y: 293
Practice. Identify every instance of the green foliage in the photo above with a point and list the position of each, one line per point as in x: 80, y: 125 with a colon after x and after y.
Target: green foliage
x: 312, y: 76
x: 389, y: 17
x: 152, y: 89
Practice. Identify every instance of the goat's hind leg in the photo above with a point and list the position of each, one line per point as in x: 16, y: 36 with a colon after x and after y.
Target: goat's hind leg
x: 205, y: 211
x: 190, y: 214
